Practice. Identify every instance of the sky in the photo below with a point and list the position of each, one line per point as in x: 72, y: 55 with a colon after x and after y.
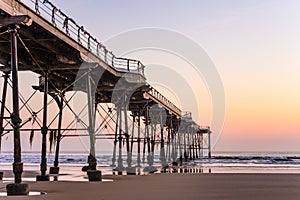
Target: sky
x: 254, y: 45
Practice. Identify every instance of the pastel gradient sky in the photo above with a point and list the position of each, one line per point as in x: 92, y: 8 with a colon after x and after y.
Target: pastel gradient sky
x: 255, y: 45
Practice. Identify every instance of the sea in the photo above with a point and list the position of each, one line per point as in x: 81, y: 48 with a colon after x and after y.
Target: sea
x: 220, y: 162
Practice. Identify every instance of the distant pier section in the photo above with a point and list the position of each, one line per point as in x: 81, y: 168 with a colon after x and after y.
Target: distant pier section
x: 37, y: 36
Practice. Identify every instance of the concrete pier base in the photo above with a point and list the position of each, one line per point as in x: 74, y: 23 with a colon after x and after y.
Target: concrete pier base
x: 54, y: 170
x: 94, y: 175
x: 131, y: 170
x: 150, y: 169
x: 15, y: 189
x: 42, y: 178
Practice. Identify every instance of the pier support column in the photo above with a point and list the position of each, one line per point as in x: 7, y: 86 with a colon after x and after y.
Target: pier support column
x: 60, y: 103
x: 168, y: 154
x: 127, y: 136
x: 2, y: 111
x: 162, y: 142
x: 149, y: 142
x: 153, y: 132
x: 116, y: 140
x: 130, y: 169
x: 139, y: 141
x: 147, y: 120
x: 93, y: 173
x: 44, y: 130
x: 173, y: 140
x: 179, y: 146
x: 201, y: 145
x: 190, y: 146
x: 16, y: 188
x: 120, y: 167
x: 196, y: 144
x: 209, y: 143
x: 185, y: 154
x: 193, y: 145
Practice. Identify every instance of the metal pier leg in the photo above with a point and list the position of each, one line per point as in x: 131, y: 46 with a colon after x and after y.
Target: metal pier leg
x: 44, y: 130
x: 93, y: 174
x: 144, y: 146
x: 168, y: 154
x: 179, y: 146
x: 209, y: 144
x: 16, y: 188
x: 127, y: 137
x: 4, y: 92
x: 202, y: 146
x: 130, y: 170
x: 132, y: 137
x: 152, y: 141
x: 196, y: 145
x: 174, y: 144
x: 193, y: 146
x: 162, y: 143
x: 116, y: 140
x: 55, y: 169
x: 139, y: 141
x: 120, y: 160
x: 190, y: 144
x: 92, y: 157
x: 184, y: 145
x: 173, y: 141
x: 148, y: 137
x: 199, y: 144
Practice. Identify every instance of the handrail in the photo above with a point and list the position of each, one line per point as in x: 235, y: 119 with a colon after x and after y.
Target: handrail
x: 154, y: 93
x: 60, y: 20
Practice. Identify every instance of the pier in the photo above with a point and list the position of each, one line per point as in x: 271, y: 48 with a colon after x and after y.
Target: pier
x: 37, y: 36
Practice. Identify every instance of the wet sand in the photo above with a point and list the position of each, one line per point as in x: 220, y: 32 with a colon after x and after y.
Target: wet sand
x: 174, y: 186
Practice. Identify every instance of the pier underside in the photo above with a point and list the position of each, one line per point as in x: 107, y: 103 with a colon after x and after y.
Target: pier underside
x: 68, y: 60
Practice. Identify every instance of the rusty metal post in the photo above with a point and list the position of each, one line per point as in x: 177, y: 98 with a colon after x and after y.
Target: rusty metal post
x: 185, y: 154
x: 209, y: 143
x: 15, y: 117
x: 120, y: 160
x: 44, y: 130
x: 196, y: 145
x: 16, y: 188
x: 179, y: 145
x: 92, y: 172
x: 199, y: 144
x: 190, y: 143
x: 169, y: 138
x: 55, y: 169
x: 139, y: 141
x: 153, y: 132
x: 116, y: 139
x: 91, y: 117
x: 127, y: 136
x: 132, y: 137
x: 162, y: 142
x: 202, y: 146
x: 193, y: 144
x: 149, y: 159
x: 144, y: 145
x: 4, y: 92
x: 59, y: 131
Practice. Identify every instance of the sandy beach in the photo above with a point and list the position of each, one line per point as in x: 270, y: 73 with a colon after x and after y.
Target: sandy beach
x: 173, y: 186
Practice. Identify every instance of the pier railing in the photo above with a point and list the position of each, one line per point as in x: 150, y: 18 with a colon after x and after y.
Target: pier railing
x: 163, y: 100
x: 78, y: 33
